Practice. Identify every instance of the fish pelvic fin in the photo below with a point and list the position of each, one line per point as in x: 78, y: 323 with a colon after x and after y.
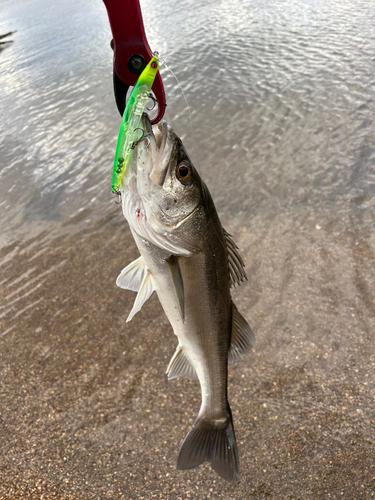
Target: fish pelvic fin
x: 242, y: 339
x: 235, y: 263
x: 180, y: 366
x: 145, y: 291
x: 212, y: 440
x: 131, y: 276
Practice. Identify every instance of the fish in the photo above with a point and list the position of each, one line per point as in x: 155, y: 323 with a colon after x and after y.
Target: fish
x: 191, y: 262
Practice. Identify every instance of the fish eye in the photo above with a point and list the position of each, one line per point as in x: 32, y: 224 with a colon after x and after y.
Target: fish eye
x: 184, y: 173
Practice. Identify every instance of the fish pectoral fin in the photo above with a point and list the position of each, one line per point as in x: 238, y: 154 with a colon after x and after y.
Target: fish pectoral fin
x: 145, y: 291
x: 178, y: 284
x: 131, y: 276
x: 180, y: 366
x: 242, y: 339
x: 236, y: 264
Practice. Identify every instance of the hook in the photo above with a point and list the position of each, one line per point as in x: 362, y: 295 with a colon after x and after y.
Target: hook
x: 151, y: 96
x: 144, y: 136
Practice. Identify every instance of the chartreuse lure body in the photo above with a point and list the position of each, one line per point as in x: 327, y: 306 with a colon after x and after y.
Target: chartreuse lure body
x: 130, y: 121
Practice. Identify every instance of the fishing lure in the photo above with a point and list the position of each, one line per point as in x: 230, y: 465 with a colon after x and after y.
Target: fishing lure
x: 135, y: 107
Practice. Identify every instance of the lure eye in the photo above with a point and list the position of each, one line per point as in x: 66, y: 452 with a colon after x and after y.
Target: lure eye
x: 183, y: 173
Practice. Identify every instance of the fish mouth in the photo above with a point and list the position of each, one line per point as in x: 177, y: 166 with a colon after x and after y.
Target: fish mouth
x: 157, y: 150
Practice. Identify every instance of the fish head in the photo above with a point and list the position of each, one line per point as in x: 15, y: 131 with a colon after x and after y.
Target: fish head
x: 162, y: 190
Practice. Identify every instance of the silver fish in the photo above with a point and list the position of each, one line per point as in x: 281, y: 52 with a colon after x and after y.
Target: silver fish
x: 191, y: 262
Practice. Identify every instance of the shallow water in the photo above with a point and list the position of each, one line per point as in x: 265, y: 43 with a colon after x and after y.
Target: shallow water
x: 281, y: 128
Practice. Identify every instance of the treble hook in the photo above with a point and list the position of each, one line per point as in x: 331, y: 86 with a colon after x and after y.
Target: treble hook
x: 151, y: 96
x: 144, y: 136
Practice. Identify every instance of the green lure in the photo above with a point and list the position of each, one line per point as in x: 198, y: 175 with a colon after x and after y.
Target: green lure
x: 130, y: 121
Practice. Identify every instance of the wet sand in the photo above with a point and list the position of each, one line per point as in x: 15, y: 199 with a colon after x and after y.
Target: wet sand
x: 87, y: 411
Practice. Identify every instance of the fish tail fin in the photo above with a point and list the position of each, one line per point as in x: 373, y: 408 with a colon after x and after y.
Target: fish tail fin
x: 212, y: 440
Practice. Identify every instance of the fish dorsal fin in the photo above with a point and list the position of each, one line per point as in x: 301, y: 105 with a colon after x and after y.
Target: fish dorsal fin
x: 236, y: 265
x: 145, y: 290
x: 178, y: 283
x: 243, y: 338
x: 180, y: 366
x: 131, y: 276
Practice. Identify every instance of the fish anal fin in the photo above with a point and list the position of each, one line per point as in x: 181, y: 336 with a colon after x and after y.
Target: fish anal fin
x: 242, y: 339
x: 145, y: 291
x: 178, y: 283
x: 212, y: 440
x: 131, y: 276
x: 236, y: 264
x: 180, y: 366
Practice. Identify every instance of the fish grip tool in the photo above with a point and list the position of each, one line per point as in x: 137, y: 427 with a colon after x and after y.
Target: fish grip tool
x: 131, y: 52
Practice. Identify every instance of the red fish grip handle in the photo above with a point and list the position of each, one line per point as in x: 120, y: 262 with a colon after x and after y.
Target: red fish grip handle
x: 131, y: 52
